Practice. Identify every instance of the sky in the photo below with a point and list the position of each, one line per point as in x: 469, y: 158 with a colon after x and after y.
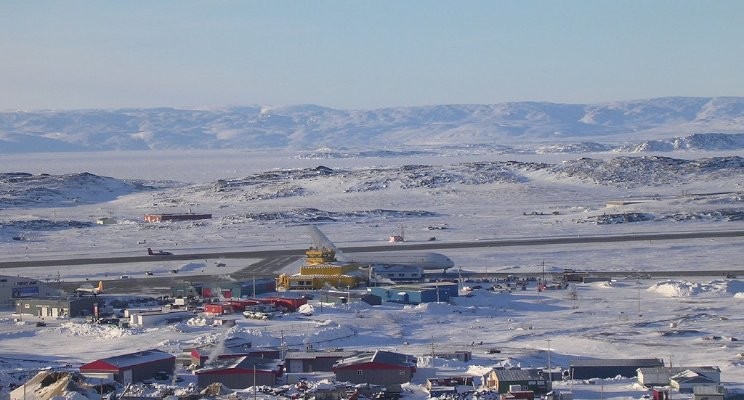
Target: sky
x: 364, y: 54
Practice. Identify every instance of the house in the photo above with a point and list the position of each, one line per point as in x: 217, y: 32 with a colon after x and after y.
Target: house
x: 505, y: 380
x: 240, y: 373
x: 686, y: 380
x: 610, y: 368
x: 708, y: 393
x: 659, y: 376
x: 132, y: 367
x: 378, y: 368
x: 314, y: 361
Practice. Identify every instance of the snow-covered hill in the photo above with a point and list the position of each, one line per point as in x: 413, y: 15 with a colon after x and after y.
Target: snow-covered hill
x: 634, y: 125
x: 658, y: 191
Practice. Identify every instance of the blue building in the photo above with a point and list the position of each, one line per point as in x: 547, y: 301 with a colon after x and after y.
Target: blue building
x: 416, y: 294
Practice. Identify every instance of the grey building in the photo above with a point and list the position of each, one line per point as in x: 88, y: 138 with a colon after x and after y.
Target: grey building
x: 416, y: 293
x: 528, y: 379
x: 659, y: 376
x: 378, y: 368
x: 54, y: 307
x: 610, y: 368
x: 240, y: 373
x: 13, y: 288
x: 314, y: 361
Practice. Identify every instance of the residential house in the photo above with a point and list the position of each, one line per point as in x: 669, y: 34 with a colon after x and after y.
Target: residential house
x: 686, y: 380
x: 378, y: 368
x: 240, y: 373
x: 659, y: 376
x: 708, y: 393
x: 503, y: 380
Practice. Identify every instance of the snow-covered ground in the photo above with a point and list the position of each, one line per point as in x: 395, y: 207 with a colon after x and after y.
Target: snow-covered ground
x: 262, y: 201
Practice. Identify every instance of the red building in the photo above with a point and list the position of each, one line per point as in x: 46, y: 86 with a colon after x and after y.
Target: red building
x: 378, y: 368
x: 133, y: 367
x: 218, y: 308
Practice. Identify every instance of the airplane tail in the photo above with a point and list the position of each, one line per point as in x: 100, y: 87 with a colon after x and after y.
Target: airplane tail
x: 149, y: 251
x: 320, y: 240
x: 99, y: 289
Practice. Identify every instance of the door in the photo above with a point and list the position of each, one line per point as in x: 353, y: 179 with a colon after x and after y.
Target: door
x: 126, y: 376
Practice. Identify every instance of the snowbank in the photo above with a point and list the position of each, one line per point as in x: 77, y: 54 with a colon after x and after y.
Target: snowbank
x: 715, y: 288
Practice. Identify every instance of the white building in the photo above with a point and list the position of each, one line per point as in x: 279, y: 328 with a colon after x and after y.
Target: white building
x: 149, y: 319
x: 395, y: 273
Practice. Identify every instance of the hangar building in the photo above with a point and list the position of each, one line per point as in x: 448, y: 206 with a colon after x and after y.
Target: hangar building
x: 13, y: 288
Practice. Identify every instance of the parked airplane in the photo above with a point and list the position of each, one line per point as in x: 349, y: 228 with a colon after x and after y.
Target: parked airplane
x: 150, y: 252
x: 427, y: 261
x: 90, y: 289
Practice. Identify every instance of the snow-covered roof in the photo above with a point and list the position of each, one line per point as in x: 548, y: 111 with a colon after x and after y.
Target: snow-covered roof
x: 128, y: 360
x: 514, y: 375
x: 310, y: 355
x: 245, y: 362
x: 379, y: 357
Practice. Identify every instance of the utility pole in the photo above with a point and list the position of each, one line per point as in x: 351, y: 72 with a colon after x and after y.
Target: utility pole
x: 639, y: 295
x: 550, y: 368
x: 543, y: 272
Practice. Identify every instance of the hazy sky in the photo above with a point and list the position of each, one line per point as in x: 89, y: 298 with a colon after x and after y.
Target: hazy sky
x: 364, y: 54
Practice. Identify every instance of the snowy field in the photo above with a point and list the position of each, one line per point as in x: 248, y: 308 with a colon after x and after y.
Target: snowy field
x: 257, y: 205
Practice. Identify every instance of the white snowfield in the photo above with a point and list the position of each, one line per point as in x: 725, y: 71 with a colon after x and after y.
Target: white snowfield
x: 263, y: 202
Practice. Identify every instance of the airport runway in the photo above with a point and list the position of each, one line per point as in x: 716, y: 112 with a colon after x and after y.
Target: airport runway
x: 275, y: 257
x: 272, y: 261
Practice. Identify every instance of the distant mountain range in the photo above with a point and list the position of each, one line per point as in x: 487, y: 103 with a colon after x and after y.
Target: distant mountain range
x: 661, y: 124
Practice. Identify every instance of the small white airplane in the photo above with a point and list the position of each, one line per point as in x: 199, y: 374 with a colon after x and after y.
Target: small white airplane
x: 151, y: 252
x: 425, y: 260
x: 90, y: 289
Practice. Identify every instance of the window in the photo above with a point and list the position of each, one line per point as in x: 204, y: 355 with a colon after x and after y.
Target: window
x: 360, y: 372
